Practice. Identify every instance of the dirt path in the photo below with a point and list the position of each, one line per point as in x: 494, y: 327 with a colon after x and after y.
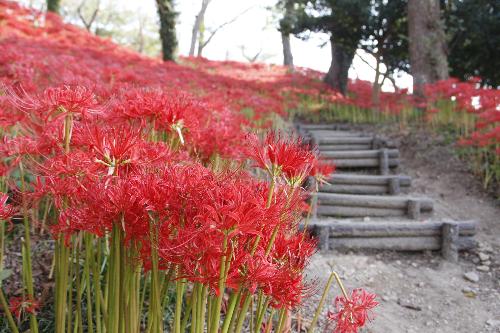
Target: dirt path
x: 419, y: 292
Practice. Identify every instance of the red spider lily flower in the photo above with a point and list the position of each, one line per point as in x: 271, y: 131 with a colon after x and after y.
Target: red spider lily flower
x: 55, y: 101
x: 7, y: 211
x: 19, y: 305
x: 290, y: 158
x: 322, y: 170
x: 114, y: 147
x: 352, y: 314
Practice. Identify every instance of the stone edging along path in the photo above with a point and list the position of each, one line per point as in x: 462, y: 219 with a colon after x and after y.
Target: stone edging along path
x: 366, y: 204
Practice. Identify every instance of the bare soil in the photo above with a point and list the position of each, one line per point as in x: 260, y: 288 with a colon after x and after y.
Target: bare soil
x: 420, y: 292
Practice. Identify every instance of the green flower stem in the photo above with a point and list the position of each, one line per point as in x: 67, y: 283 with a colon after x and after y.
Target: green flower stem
x: 233, y: 300
x: 8, y: 314
x: 260, y: 315
x: 27, y: 265
x: 187, y: 313
x: 61, y: 276
x: 178, y: 304
x: 78, y: 287
x: 225, y: 260
x: 282, y: 319
x: 155, y: 320
x: 95, y: 261
x: 321, y: 303
x: 203, y: 308
x: 114, y: 282
x: 270, y: 321
x: 69, y: 288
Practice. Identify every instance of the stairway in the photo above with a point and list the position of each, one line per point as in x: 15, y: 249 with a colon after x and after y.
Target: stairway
x: 366, y: 203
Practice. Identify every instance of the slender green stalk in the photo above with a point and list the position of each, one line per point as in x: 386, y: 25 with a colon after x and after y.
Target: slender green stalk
x: 187, y: 314
x: 113, y: 307
x: 2, y: 246
x: 8, y: 314
x: 61, y: 276
x: 282, y: 319
x: 78, y: 287
x: 230, y: 310
x: 321, y: 303
x: 260, y: 315
x: 242, y: 313
x: 222, y: 285
x: 155, y: 320
x: 69, y: 288
x: 62, y: 255
x: 95, y: 264
x: 203, y: 308
x: 27, y: 270
x: 144, y: 290
x: 270, y: 321
x: 194, y: 308
x: 89, y: 259
x: 178, y: 304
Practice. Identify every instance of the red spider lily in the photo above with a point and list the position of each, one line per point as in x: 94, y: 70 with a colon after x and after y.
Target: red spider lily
x: 290, y: 158
x: 350, y: 314
x: 7, y: 211
x: 166, y: 111
x: 322, y: 170
x: 20, y: 305
x: 100, y: 204
x: 55, y: 102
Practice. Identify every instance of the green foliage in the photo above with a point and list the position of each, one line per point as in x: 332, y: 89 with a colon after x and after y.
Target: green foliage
x: 473, y: 28
x: 53, y: 5
x: 342, y: 19
x: 386, y: 33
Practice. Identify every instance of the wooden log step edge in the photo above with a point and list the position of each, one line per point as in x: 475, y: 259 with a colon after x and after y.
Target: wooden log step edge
x: 372, y: 201
x: 447, y: 236
x: 335, y: 133
x: 366, y: 184
x: 359, y: 154
x: 322, y: 126
x: 353, y: 179
x: 364, y: 189
x: 362, y: 162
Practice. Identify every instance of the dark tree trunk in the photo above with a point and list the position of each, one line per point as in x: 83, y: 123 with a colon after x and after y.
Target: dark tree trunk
x: 339, y: 68
x: 428, y: 58
x: 53, y: 6
x: 167, y: 28
x: 285, y: 28
x: 287, y: 50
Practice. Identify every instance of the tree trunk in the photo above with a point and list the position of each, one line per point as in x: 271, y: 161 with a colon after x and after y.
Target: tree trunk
x: 427, y: 44
x: 339, y: 68
x: 167, y: 28
x: 285, y: 28
x: 196, y: 27
x: 376, y: 84
x: 201, y: 38
x: 53, y: 6
x: 287, y: 50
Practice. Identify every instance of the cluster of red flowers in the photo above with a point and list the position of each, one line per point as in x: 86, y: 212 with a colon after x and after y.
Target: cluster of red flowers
x: 117, y: 141
x: 483, y: 104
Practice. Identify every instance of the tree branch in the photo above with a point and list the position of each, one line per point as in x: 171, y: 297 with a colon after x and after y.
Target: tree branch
x: 88, y: 24
x: 212, y: 34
